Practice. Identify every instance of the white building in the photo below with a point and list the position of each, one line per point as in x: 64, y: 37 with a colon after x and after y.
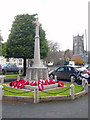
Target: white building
x: 18, y: 62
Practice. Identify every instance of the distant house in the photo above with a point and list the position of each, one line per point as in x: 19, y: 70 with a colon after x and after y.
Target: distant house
x: 17, y: 61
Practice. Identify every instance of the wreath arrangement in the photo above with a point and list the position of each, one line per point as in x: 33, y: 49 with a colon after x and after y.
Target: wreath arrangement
x: 20, y: 83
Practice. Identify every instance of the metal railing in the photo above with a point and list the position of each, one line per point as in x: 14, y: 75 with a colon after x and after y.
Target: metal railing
x: 17, y: 92
x: 56, y: 92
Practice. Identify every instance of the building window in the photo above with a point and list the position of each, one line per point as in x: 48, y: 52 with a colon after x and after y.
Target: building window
x: 7, y: 60
x: 20, y: 62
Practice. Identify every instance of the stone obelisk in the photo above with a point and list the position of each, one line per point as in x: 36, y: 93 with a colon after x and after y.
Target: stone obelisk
x: 37, y: 61
x: 38, y: 70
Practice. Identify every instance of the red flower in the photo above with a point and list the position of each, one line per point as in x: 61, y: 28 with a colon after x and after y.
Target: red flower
x: 46, y: 82
x: 19, y: 83
x: 33, y: 83
x: 13, y: 84
x: 40, y: 87
x: 54, y: 81
x: 60, y: 84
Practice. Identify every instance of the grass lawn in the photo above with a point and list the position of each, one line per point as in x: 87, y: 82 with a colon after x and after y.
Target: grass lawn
x: 78, y: 88
x: 9, y: 76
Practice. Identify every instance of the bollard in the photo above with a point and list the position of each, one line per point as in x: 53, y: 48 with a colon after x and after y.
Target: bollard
x: 72, y: 79
x: 55, y: 78
x: 1, y: 92
x: 86, y: 86
x: 72, y: 92
x: 36, y: 98
x: 83, y: 82
x: 2, y: 79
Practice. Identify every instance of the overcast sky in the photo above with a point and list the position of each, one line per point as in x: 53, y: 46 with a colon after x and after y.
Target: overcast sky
x: 61, y: 19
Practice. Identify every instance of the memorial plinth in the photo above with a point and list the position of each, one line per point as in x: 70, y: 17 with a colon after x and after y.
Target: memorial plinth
x: 37, y: 73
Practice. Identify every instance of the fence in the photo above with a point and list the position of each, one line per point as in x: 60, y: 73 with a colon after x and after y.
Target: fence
x: 36, y: 97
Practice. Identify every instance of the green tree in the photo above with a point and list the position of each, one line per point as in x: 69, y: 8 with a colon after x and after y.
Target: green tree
x: 20, y: 43
x: 4, y: 46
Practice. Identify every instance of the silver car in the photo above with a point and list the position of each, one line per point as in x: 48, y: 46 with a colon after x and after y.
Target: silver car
x: 9, y: 68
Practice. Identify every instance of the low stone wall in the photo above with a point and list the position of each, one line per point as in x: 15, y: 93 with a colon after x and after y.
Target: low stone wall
x: 41, y: 99
x: 55, y: 98
x: 17, y: 98
x: 29, y: 87
x: 45, y: 86
x: 80, y: 94
x: 50, y: 86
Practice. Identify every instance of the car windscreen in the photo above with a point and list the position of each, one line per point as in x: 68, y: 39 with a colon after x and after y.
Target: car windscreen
x: 80, y: 68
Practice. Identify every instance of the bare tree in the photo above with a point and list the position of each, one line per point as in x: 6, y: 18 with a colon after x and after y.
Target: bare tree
x: 68, y: 53
x: 55, y: 55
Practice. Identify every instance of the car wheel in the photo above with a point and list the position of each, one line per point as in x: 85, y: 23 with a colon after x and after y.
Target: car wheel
x: 51, y: 76
x: 72, y: 78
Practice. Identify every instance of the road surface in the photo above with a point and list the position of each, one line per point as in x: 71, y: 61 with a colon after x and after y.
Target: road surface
x: 77, y: 108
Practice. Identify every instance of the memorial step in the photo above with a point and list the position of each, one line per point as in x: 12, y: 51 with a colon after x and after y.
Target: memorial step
x: 45, y: 86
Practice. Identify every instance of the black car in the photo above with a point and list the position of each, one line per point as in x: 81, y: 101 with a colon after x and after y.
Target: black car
x: 9, y: 68
x: 66, y: 73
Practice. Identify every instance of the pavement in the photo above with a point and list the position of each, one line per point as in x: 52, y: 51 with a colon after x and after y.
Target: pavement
x: 77, y: 108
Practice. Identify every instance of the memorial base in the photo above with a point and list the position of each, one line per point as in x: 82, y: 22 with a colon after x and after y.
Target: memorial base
x: 37, y: 73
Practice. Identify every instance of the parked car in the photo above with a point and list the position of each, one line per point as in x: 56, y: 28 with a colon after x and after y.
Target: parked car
x: 7, y: 68
x: 84, y: 75
x: 88, y: 69
x: 66, y: 73
x: 87, y: 66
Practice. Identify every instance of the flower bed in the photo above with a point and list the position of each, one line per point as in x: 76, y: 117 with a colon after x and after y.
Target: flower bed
x: 41, y: 84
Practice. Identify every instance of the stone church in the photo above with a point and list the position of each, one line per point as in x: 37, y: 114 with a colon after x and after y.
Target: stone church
x: 78, y: 45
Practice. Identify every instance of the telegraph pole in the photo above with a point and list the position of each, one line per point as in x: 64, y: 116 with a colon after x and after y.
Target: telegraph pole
x: 86, y: 46
x: 86, y: 40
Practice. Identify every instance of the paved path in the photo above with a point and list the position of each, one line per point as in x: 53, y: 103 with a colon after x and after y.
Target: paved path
x: 77, y: 108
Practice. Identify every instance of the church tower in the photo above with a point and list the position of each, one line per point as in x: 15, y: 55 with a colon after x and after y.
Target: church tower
x: 78, y: 45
